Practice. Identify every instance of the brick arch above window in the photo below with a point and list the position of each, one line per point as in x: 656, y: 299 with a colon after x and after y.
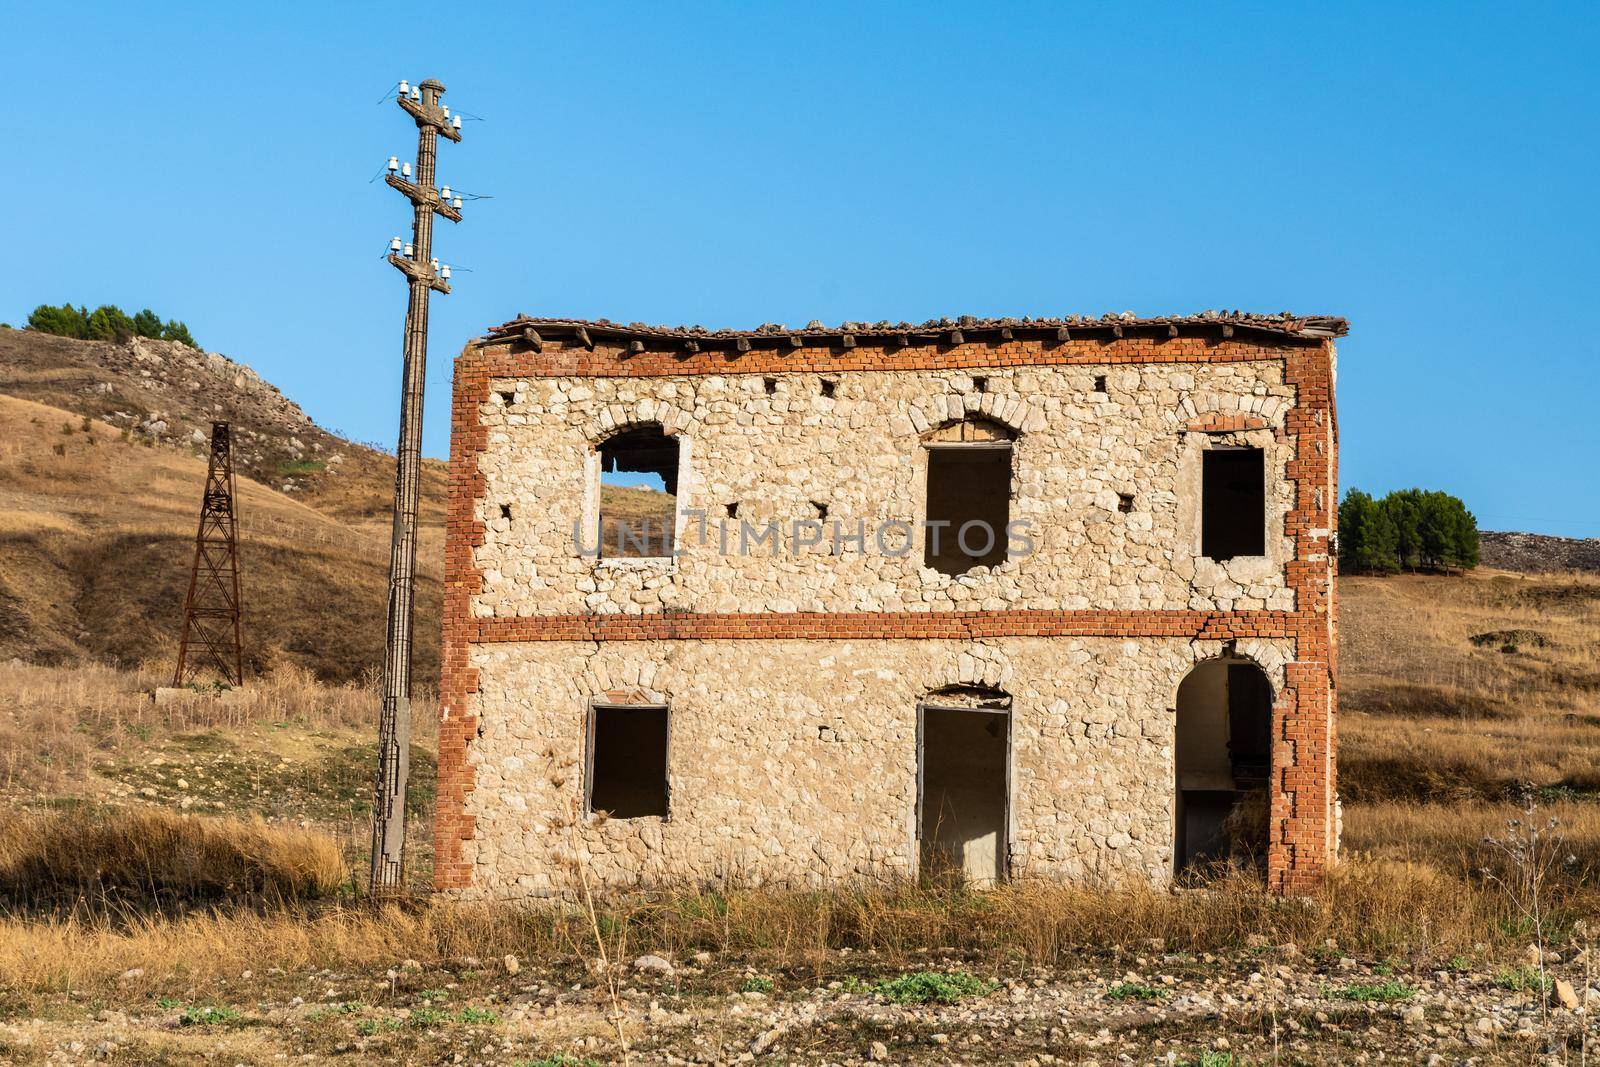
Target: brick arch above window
x: 633, y: 684
x: 1211, y: 412
x: 618, y: 417
x: 973, y: 429
x: 974, y: 667
x: 935, y: 410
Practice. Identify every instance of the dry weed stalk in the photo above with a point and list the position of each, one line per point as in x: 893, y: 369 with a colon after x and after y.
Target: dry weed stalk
x: 1532, y: 850
x: 579, y: 866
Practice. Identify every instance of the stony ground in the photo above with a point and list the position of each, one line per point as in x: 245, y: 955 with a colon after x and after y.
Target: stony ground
x: 1260, y: 1005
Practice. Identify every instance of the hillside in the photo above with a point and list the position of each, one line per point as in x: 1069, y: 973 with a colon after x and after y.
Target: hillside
x: 97, y: 538
x: 169, y: 393
x: 1539, y: 553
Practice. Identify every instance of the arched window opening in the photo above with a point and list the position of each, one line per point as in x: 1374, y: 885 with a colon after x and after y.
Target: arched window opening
x: 963, y: 785
x: 969, y: 495
x: 1223, y: 754
x: 638, y: 492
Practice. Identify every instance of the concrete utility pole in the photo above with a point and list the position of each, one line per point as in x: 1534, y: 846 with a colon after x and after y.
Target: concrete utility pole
x: 416, y: 262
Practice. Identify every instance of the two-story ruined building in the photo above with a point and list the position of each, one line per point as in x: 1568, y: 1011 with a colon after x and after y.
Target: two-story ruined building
x: 817, y: 668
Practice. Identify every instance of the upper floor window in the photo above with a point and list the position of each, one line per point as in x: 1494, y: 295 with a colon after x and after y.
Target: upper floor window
x: 1233, y: 503
x: 969, y: 495
x: 638, y: 492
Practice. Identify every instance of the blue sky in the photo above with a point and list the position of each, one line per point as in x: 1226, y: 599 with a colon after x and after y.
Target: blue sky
x: 1425, y: 170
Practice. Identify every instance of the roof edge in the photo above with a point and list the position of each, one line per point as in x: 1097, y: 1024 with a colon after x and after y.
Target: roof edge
x: 1286, y: 324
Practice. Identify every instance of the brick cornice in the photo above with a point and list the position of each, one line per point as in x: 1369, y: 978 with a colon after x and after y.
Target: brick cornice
x: 827, y: 625
x: 509, y: 359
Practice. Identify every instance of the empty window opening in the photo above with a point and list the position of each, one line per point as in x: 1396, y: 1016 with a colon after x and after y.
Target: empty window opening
x: 1224, y: 760
x: 1124, y: 502
x: 638, y: 492
x: 733, y: 510
x: 1233, y: 503
x: 770, y: 385
x: 1099, y: 383
x: 962, y: 790
x: 820, y: 508
x: 828, y: 388
x: 980, y: 385
x: 508, y: 398
x: 505, y: 511
x: 628, y: 762
x: 969, y: 496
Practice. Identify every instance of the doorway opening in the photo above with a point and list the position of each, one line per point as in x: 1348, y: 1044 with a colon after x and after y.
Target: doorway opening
x: 963, y: 786
x: 1224, y: 760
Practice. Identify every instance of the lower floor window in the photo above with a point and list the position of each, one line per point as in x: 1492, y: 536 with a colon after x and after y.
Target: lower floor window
x: 628, y: 761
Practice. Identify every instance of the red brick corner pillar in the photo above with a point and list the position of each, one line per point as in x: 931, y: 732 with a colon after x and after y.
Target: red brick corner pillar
x: 452, y: 825
x: 1302, y: 802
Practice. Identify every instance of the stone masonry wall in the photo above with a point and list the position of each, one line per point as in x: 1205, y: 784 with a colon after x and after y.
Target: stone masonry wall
x: 860, y: 453
x: 794, y: 762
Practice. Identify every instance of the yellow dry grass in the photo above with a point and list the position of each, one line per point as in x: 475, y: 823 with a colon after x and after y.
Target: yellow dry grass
x: 1426, y: 714
x: 58, y: 725
x: 154, y: 858
x: 1374, y: 909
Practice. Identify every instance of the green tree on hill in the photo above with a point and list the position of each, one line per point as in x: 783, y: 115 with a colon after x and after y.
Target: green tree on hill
x: 63, y: 321
x: 107, y: 323
x: 1368, y: 539
x: 1409, y: 529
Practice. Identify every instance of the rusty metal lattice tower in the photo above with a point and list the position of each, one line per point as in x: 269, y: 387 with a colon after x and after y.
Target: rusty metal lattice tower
x: 211, y: 635
x: 414, y: 260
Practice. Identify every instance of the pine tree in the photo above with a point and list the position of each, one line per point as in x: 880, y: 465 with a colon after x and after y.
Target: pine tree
x: 1368, y: 540
x: 63, y: 321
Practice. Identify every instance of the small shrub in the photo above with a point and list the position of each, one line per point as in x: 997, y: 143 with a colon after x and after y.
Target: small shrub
x: 290, y: 467
x: 472, y: 1016
x: 196, y: 1016
x: 560, y: 1059
x: 428, y: 1017
x: 1379, y: 992
x: 349, y: 1007
x: 1523, y: 978
x: 1134, y: 991
x: 930, y: 987
x: 373, y: 1027
x: 757, y: 984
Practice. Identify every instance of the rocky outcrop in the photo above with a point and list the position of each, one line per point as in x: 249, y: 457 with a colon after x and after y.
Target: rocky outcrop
x: 1539, y: 553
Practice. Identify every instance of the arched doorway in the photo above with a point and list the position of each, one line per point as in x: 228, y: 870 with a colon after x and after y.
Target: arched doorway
x: 1223, y: 758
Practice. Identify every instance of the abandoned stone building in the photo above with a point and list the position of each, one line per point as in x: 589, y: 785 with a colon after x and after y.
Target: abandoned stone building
x: 990, y: 598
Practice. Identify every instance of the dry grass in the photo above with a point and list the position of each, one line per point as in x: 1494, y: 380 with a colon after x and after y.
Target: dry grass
x: 1378, y: 909
x: 58, y: 725
x: 1427, y: 715
x: 148, y: 858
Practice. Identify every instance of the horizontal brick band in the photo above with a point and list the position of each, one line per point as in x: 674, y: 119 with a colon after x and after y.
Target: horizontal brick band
x: 821, y: 626
x: 501, y: 359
